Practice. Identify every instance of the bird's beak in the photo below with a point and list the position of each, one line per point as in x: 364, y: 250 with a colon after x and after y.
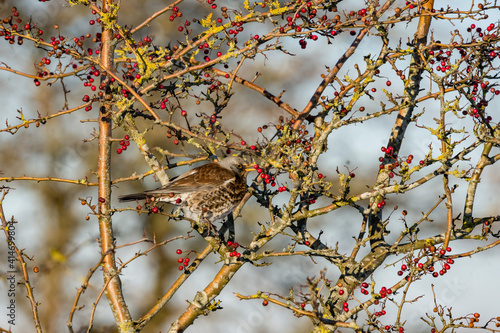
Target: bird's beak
x: 250, y: 167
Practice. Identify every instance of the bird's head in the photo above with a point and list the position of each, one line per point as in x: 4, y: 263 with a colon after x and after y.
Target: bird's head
x: 236, y: 164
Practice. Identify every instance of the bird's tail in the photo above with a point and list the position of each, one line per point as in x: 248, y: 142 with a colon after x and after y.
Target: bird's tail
x: 132, y: 197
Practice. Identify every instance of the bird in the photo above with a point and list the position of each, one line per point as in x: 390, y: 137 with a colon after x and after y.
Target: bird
x: 208, y: 193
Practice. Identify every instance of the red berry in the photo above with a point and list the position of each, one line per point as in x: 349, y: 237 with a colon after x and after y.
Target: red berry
x: 178, y: 251
x: 154, y: 209
x: 119, y: 151
x: 265, y: 302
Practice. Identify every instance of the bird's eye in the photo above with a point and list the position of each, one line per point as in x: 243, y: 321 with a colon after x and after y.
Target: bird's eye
x: 240, y: 166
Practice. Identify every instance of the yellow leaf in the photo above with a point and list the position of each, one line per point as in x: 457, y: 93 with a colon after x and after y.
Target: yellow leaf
x: 57, y: 256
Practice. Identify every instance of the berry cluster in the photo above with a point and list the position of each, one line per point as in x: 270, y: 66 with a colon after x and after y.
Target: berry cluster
x: 150, y: 206
x: 183, y: 261
x: 12, y: 27
x: 234, y: 246
x: 124, y: 144
x: 390, y: 328
x: 431, y: 255
x: 469, y: 66
x: 268, y: 178
x: 398, y: 165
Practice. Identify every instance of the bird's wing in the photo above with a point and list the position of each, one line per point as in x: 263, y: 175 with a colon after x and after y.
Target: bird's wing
x: 202, y: 178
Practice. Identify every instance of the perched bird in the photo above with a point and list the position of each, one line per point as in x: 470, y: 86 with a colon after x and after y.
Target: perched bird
x: 207, y: 193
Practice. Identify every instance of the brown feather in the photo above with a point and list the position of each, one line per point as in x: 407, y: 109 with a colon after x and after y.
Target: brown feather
x: 210, y: 191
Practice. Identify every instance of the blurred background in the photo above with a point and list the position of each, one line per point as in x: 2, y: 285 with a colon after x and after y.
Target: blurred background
x: 52, y: 225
